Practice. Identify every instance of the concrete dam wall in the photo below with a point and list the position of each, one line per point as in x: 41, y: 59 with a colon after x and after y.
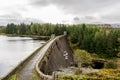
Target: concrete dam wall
x: 53, y: 55
x: 58, y: 55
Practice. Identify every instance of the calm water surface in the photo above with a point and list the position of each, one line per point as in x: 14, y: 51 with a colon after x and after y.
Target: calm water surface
x: 15, y: 49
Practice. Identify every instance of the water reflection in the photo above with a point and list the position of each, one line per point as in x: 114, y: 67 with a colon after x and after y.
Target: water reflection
x: 15, y: 49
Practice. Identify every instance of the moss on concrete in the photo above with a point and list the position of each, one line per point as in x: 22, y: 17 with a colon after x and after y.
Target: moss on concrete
x: 35, y: 76
x: 13, y: 77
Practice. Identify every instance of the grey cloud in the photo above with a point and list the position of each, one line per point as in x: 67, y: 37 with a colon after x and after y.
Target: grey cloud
x: 76, y: 19
x: 89, y: 17
x: 115, y: 16
x: 10, y: 18
x: 10, y: 15
x: 77, y: 6
x: 85, y: 8
x: 40, y: 2
x: 112, y: 17
x: 85, y: 19
x: 16, y: 19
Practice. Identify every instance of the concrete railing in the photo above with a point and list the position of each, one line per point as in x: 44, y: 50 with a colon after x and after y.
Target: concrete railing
x: 21, y: 64
x: 44, y: 58
x: 38, y: 67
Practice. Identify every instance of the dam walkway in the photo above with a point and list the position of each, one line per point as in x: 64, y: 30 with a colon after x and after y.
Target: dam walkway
x: 45, y: 60
x: 27, y: 72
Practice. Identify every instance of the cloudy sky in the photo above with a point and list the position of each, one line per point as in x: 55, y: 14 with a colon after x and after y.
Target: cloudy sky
x: 59, y: 11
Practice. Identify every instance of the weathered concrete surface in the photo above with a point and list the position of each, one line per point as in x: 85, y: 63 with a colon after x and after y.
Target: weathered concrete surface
x: 58, y: 55
x: 26, y: 73
x: 56, y: 58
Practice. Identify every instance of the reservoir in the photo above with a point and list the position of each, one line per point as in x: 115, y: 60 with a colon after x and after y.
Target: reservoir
x: 15, y: 49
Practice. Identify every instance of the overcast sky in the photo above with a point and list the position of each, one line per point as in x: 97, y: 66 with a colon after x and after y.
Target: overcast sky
x: 59, y: 11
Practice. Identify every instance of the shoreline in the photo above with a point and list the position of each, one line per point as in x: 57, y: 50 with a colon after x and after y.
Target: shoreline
x: 35, y: 37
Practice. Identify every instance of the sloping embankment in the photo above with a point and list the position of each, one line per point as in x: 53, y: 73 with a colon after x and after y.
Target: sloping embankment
x: 58, y: 55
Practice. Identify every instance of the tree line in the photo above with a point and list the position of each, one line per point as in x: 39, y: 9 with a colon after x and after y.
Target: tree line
x: 94, y: 39
x: 33, y: 29
x: 103, y: 41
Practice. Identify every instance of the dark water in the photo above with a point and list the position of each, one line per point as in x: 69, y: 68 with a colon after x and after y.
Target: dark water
x: 15, y: 49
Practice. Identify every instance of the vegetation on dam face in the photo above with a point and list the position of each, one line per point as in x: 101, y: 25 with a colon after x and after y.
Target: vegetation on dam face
x: 91, y: 40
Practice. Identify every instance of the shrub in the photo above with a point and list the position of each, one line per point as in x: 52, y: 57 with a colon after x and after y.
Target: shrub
x: 118, y: 55
x: 103, y: 74
x: 81, y: 56
x: 111, y: 65
x: 78, y: 71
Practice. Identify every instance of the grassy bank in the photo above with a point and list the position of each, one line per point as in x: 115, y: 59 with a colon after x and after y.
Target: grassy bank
x: 111, y: 70
x: 103, y: 74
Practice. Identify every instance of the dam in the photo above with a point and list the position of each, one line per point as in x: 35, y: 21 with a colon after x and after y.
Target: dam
x: 54, y: 54
x: 15, y: 49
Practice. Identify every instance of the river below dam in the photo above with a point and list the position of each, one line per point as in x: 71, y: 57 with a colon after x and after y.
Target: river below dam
x: 15, y: 49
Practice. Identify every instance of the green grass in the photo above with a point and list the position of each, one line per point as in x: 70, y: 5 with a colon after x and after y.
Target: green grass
x: 103, y: 74
x: 13, y: 77
x: 35, y: 76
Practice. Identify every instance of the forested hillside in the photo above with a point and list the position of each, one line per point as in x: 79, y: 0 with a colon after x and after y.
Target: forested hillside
x: 94, y: 39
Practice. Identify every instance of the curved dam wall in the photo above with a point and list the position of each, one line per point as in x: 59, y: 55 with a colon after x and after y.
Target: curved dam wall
x: 55, y: 54
x: 21, y: 64
x: 58, y: 55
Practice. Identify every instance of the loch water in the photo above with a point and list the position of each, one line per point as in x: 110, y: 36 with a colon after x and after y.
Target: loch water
x: 15, y: 49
